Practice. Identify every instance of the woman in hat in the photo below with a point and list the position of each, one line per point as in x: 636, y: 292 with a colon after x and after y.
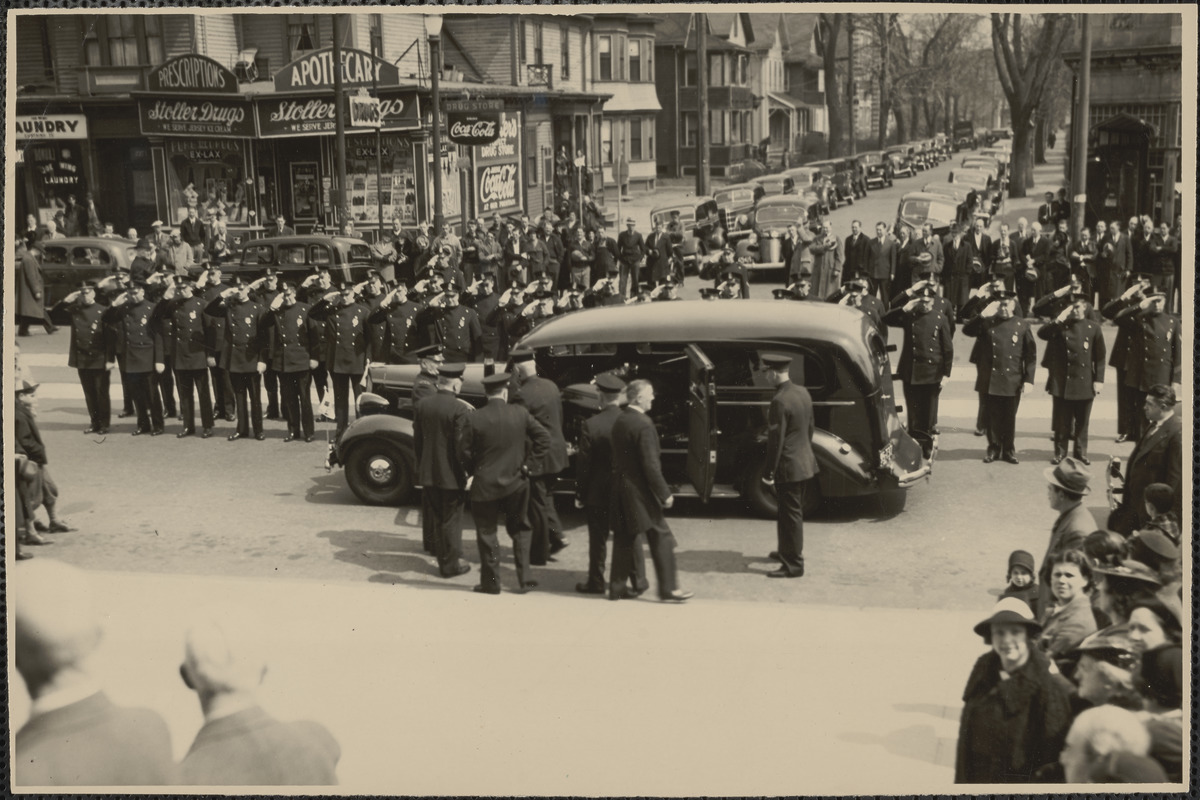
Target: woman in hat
x: 1108, y: 660
x: 1070, y: 620
x: 1117, y: 589
x: 1015, y: 712
x: 1155, y: 622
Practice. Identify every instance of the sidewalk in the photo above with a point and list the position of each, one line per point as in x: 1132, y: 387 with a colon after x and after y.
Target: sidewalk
x: 453, y: 693
x: 1048, y: 177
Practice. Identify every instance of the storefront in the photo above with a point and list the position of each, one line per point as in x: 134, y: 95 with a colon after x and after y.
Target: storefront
x: 50, y: 163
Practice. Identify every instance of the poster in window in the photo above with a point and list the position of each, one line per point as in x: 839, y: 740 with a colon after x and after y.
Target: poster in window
x: 304, y: 190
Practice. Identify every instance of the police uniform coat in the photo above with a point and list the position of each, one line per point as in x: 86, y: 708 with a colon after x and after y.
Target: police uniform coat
x: 94, y: 743
x: 424, y: 385
x: 593, y: 464
x: 294, y: 341
x: 639, y: 489
x: 439, y: 422
x: 927, y: 355
x: 1154, y: 355
x: 90, y: 344
x: 251, y: 748
x: 138, y: 341
x: 543, y: 400
x: 460, y: 333
x: 188, y: 331
x: 1007, y: 357
x: 1074, y: 358
x: 499, y: 439
x: 400, y: 334
x: 789, y: 434
x: 345, y: 337
x: 245, y: 342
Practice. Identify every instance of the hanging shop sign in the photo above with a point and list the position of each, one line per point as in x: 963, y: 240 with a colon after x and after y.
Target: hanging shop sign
x: 50, y: 127
x: 364, y: 111
x: 474, y: 122
x: 315, y: 71
x: 314, y: 116
x: 192, y: 73
x: 189, y: 116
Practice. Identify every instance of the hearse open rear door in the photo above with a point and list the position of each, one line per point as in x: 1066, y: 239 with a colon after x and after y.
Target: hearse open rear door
x: 702, y: 422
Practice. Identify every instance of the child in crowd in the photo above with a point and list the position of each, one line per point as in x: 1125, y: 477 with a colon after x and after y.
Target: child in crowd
x: 1160, y: 499
x: 1022, y: 583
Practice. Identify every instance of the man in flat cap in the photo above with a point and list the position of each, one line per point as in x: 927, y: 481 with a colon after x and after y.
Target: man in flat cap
x: 543, y: 400
x: 593, y: 488
x: 500, y: 441
x: 439, y: 422
x: 790, y: 460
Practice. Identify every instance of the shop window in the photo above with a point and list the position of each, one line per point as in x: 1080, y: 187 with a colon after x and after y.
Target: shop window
x: 635, y: 139
x: 564, y: 53
x: 208, y: 175
x: 303, y: 34
x: 123, y: 40
x: 635, y: 59
x: 604, y: 46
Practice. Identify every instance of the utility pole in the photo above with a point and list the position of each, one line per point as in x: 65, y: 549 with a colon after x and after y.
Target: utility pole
x: 1079, y: 130
x: 377, y: 51
x: 852, y: 100
x: 339, y: 119
x: 701, y: 23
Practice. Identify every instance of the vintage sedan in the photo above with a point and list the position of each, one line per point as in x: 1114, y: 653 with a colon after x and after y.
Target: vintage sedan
x: 917, y: 208
x: 956, y: 191
x: 877, y: 169
x: 774, y: 184
x: 814, y: 186
x: 695, y: 225
x: 735, y: 202
x: 67, y: 262
x: 902, y: 162
x: 295, y: 257
x: 770, y: 222
x: 839, y: 172
x: 705, y: 361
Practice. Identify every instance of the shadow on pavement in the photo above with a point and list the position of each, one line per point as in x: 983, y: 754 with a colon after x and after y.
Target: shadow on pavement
x: 729, y: 562
x: 330, y: 489
x: 381, y: 552
x: 941, y: 712
x: 918, y: 742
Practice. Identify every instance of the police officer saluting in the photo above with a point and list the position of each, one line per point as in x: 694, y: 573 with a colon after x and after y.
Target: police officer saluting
x: 790, y: 461
x: 925, y: 360
x: 1074, y: 361
x: 439, y: 422
x: 294, y: 354
x: 183, y: 311
x: 397, y: 313
x: 243, y: 355
x: 1007, y: 360
x: 593, y: 488
x: 345, y: 346
x: 498, y: 441
x: 90, y: 354
x: 142, y: 349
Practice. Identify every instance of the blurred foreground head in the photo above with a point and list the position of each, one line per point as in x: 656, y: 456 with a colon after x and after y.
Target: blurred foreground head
x: 55, y: 623
x: 219, y: 659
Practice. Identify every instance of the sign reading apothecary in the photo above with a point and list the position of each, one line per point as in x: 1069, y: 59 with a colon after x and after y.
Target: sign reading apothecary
x: 315, y: 70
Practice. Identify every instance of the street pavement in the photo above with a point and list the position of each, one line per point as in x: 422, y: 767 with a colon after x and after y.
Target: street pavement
x: 847, y: 681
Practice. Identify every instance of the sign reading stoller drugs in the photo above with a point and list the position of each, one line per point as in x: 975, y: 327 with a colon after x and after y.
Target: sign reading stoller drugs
x: 474, y: 122
x: 314, y: 116
x: 190, y: 116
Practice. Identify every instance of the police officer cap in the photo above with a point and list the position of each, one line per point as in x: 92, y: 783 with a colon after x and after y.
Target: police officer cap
x: 137, y: 285
x: 1003, y: 294
x: 1154, y: 293
x: 1075, y: 297
x: 237, y: 283
x: 499, y: 379
x: 122, y: 269
x: 776, y: 361
x: 428, y: 351
x: 1140, y: 277
x: 613, y: 269
x: 783, y: 294
x: 607, y: 382
x: 926, y: 291
x: 521, y: 354
x: 452, y: 370
x: 270, y: 272
x: 87, y: 285
x: 287, y: 286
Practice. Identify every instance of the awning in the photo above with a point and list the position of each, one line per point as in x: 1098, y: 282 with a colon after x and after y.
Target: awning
x: 633, y: 97
x: 783, y: 101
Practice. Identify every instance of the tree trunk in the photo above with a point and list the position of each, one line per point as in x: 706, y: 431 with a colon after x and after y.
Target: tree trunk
x: 901, y: 124
x: 1039, y: 141
x: 1022, y: 161
x: 833, y: 97
x: 914, y: 116
x: 885, y: 99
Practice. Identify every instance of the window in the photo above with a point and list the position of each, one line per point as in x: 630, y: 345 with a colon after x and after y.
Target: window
x: 564, y: 53
x: 124, y: 40
x: 716, y: 69
x: 690, y: 77
x: 635, y: 139
x: 303, y: 34
x: 689, y: 130
x: 635, y: 59
x: 650, y: 139
x: 538, y: 32
x: 604, y: 46
x: 649, y: 76
x: 606, y: 144
x: 716, y: 127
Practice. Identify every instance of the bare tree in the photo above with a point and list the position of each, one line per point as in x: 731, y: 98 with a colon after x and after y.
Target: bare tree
x: 829, y: 26
x: 1025, y: 57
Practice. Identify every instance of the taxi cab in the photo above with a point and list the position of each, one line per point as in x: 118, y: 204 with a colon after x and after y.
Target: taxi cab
x: 704, y: 359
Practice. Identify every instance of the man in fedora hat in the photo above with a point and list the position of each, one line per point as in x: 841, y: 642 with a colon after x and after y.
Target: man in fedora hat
x: 1067, y: 483
x: 1156, y: 458
x: 1074, y: 361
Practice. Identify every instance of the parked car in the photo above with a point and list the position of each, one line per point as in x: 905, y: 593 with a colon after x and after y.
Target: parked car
x: 988, y: 165
x: 735, y: 202
x: 812, y: 184
x: 840, y: 173
x: 964, y: 135
x: 917, y: 208
x: 770, y: 220
x: 704, y: 359
x: 958, y: 192
x: 902, y: 163
x: 747, y: 169
x: 877, y: 169
x: 295, y: 257
x: 696, y: 222
x: 942, y: 142
x: 776, y: 183
x: 66, y: 262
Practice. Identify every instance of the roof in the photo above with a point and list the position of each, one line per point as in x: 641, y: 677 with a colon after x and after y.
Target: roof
x: 784, y: 100
x: 765, y: 28
x: 677, y: 30
x: 633, y: 97
x: 799, y: 29
x: 708, y: 321
x: 1125, y: 123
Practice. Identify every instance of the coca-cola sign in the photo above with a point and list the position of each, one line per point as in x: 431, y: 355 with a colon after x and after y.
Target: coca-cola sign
x: 497, y: 187
x: 190, y: 117
x: 474, y: 122
x: 314, y: 116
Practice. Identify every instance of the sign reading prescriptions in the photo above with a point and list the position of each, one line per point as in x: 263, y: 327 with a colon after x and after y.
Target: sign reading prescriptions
x: 474, y: 122
x: 188, y: 116
x: 314, y: 116
x: 192, y: 73
x: 50, y: 127
x: 315, y: 70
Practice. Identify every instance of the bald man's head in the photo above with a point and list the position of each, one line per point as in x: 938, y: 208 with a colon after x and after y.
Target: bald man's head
x: 55, y: 622
x: 219, y: 658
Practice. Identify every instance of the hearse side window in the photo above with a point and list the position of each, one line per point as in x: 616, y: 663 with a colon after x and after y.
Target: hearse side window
x: 807, y: 369
x: 319, y: 254
x: 54, y: 255
x: 291, y: 254
x: 360, y: 252
x: 92, y: 256
x: 257, y: 254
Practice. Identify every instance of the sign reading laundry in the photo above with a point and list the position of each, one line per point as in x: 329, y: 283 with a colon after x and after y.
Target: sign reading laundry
x: 314, y: 116
x: 191, y: 117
